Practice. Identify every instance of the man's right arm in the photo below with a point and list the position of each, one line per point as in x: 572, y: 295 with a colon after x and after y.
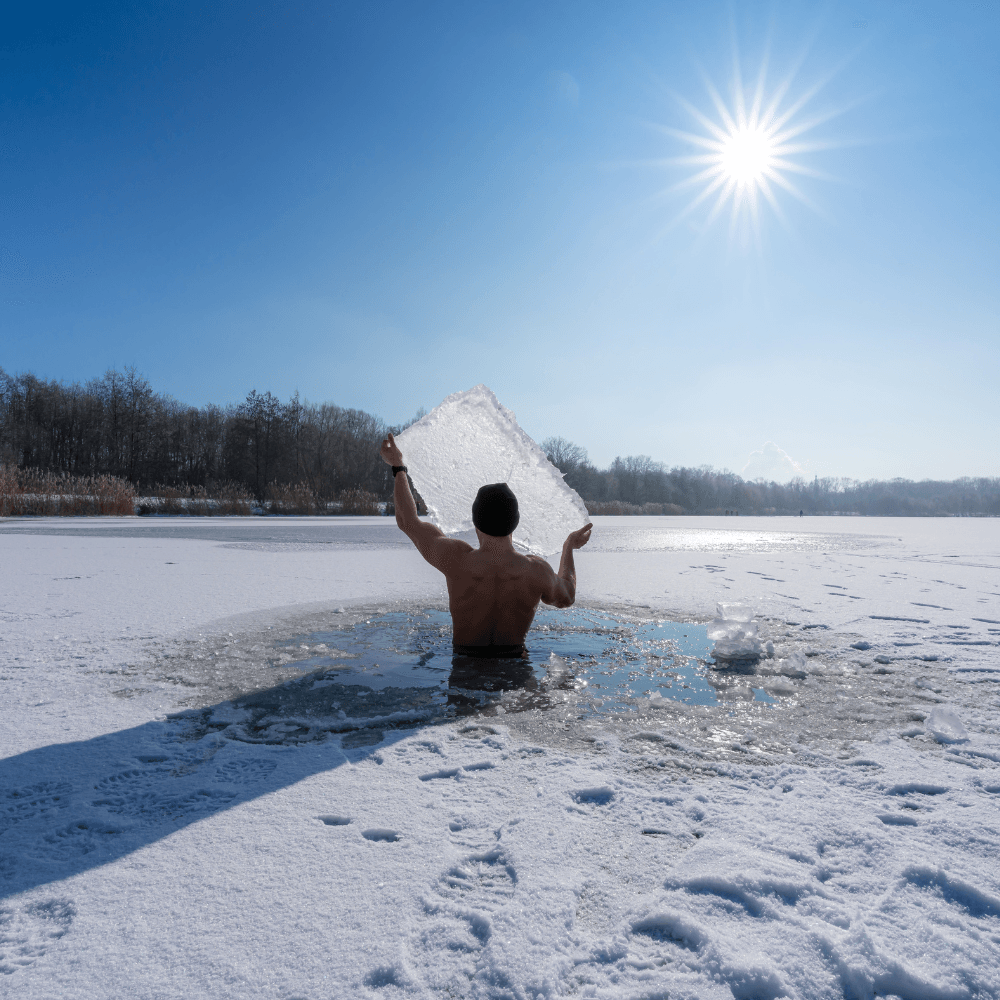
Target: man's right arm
x: 431, y: 542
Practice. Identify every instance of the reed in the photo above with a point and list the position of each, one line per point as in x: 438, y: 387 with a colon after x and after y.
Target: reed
x: 28, y: 492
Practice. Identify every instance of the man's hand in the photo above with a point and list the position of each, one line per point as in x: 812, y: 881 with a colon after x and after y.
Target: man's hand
x: 577, y: 539
x: 391, y: 455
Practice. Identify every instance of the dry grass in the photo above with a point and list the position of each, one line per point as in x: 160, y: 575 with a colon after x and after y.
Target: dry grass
x: 218, y: 499
x: 231, y: 498
x: 293, y: 499
x: 621, y: 508
x: 359, y: 502
x: 28, y: 492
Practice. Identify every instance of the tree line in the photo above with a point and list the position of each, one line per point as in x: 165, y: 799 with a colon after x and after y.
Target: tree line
x: 117, y: 425
x: 640, y: 483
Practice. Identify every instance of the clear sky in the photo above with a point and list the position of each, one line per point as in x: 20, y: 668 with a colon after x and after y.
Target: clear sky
x: 378, y: 204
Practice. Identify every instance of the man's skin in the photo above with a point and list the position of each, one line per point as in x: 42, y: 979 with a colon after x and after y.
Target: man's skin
x: 493, y: 590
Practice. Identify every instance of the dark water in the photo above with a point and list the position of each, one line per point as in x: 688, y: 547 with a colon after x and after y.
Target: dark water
x: 601, y: 663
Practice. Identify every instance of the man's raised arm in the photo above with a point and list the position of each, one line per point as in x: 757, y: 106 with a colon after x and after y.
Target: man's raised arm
x: 431, y: 541
x: 561, y: 588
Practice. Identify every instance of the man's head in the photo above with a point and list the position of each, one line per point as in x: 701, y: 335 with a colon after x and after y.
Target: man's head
x: 494, y: 511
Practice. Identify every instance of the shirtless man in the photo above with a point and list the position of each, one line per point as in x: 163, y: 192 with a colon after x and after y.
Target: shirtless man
x: 493, y: 591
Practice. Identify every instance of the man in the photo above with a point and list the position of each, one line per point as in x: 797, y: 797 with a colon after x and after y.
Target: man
x: 493, y: 591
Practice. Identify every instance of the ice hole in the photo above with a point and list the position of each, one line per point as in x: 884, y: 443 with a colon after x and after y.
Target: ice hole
x: 397, y: 668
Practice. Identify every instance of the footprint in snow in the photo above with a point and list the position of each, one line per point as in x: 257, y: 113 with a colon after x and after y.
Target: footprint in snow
x: 22, y: 804
x: 897, y: 819
x: 244, y: 772
x: 77, y: 839
x: 454, y: 772
x: 27, y: 932
x: 460, y: 912
x: 379, y: 833
x: 600, y: 796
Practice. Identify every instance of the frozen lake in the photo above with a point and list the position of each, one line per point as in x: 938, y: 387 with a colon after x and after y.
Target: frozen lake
x: 238, y: 761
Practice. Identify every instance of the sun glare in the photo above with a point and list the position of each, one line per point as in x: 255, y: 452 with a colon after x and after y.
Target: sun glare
x: 746, y: 150
x: 746, y: 155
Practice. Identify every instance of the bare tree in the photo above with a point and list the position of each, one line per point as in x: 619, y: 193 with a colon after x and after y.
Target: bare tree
x: 563, y: 454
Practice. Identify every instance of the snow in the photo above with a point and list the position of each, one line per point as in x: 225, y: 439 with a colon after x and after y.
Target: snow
x: 471, y: 440
x: 840, y: 839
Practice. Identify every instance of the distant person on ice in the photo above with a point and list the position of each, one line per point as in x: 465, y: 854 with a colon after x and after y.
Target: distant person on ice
x: 493, y: 591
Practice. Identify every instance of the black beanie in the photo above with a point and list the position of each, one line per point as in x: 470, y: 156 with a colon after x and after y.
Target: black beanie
x: 494, y: 511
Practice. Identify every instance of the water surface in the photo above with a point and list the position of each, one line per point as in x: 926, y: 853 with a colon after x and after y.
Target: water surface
x: 602, y: 662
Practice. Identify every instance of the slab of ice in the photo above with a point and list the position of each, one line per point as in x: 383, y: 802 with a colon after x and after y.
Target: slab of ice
x: 946, y: 726
x: 471, y: 440
x: 734, y: 633
x: 734, y: 612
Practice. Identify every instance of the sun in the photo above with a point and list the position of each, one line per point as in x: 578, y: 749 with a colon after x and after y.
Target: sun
x: 746, y: 155
x: 746, y: 151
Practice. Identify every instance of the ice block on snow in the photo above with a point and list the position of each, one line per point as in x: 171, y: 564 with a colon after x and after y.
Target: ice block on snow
x: 945, y: 726
x: 471, y: 440
x: 735, y: 633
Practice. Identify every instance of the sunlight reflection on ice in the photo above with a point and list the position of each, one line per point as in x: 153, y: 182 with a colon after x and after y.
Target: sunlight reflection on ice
x: 664, y: 537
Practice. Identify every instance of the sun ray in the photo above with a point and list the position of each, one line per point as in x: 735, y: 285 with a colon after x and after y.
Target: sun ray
x: 719, y: 131
x: 758, y: 96
x: 705, y: 175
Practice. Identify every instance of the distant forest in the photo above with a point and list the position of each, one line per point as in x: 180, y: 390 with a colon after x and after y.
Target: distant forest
x: 118, y: 425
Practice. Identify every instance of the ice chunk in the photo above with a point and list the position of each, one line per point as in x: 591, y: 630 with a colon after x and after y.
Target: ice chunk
x: 734, y: 633
x: 738, y: 643
x: 471, y: 440
x: 793, y: 665
x: 735, y: 612
x: 946, y: 726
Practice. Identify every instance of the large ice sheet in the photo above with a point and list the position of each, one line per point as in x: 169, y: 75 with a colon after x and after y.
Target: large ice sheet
x: 471, y: 440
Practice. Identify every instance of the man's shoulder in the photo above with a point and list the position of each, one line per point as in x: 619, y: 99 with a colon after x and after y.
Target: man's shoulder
x: 439, y: 550
x: 455, y: 546
x: 538, y: 563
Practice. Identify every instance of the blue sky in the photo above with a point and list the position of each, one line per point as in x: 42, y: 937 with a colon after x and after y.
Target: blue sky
x: 380, y: 204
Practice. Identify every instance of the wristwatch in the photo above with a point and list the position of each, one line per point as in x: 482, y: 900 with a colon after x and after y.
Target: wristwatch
x: 398, y: 468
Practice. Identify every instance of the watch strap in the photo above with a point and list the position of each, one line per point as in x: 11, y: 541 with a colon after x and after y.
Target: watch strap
x: 398, y: 468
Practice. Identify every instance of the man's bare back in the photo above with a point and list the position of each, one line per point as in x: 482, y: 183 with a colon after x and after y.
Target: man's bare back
x: 494, y: 590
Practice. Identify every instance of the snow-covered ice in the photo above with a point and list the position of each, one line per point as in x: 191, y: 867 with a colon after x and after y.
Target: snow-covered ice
x: 185, y: 812
x: 471, y: 440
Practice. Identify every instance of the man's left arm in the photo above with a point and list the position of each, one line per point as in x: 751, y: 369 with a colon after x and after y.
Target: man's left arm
x: 559, y: 589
